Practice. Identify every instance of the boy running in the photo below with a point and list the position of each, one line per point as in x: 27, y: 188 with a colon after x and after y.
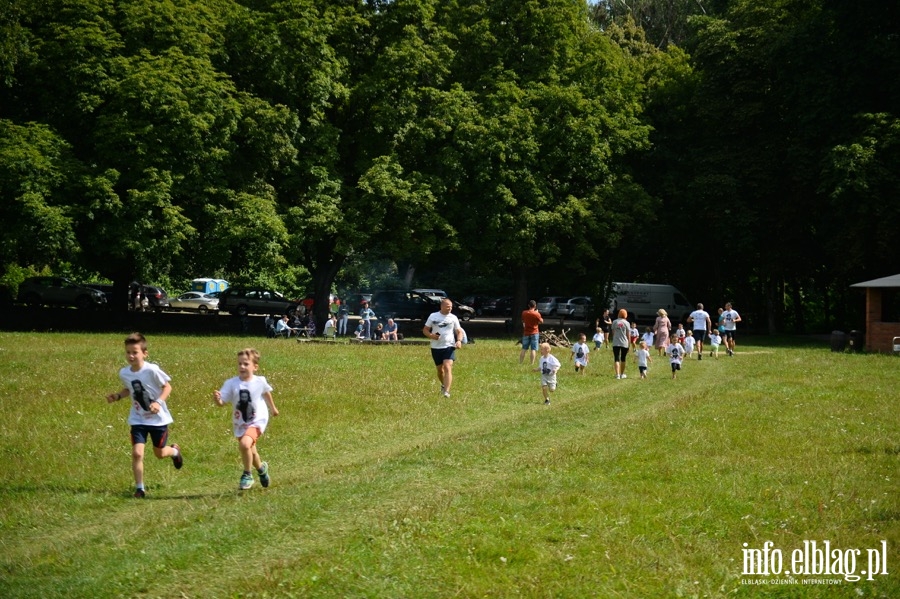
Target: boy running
x: 251, y: 398
x: 548, y: 366
x: 581, y: 353
x: 149, y: 388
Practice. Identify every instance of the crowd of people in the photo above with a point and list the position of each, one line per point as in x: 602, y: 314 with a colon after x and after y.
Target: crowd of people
x: 674, y: 342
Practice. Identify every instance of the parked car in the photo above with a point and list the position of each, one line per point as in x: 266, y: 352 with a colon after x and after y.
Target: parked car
x: 477, y: 302
x: 402, y: 304
x: 105, y: 289
x: 462, y: 311
x: 157, y: 298
x: 195, y: 301
x: 437, y: 294
x: 59, y: 291
x: 550, y: 305
x: 254, y: 300
x: 580, y: 307
x: 354, y: 301
x: 497, y: 306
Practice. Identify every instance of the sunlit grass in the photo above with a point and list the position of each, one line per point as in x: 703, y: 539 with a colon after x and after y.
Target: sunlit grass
x: 382, y: 488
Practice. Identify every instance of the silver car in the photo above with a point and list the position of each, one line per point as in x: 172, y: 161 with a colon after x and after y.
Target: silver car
x: 550, y: 305
x: 579, y: 307
x: 194, y: 301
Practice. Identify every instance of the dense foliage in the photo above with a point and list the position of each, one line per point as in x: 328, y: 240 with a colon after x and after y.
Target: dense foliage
x: 739, y: 150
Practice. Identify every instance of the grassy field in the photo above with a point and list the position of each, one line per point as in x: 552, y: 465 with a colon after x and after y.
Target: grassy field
x: 382, y: 488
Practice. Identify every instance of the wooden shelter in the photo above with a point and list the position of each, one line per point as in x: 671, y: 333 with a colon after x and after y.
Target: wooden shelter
x: 882, y: 312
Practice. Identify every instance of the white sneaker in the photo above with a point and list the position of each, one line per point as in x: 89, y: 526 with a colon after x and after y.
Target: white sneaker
x: 446, y: 393
x: 624, y: 376
x: 618, y: 376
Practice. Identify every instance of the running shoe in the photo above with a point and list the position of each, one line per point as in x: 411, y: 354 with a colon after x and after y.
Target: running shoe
x: 264, y: 474
x: 177, y: 460
x: 246, y: 481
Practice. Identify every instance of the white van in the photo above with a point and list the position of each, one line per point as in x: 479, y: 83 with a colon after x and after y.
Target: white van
x: 643, y: 300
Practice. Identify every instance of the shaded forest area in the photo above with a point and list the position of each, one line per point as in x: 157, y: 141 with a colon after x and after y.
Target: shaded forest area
x: 742, y: 151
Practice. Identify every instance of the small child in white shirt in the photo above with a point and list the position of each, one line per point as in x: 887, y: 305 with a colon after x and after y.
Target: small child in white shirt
x: 642, y: 356
x: 598, y: 339
x: 715, y: 340
x: 689, y: 343
x: 548, y: 365
x: 648, y: 337
x: 675, y: 351
x: 581, y: 353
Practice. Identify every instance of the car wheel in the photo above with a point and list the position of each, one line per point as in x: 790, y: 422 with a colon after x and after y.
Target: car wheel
x: 465, y: 317
x: 84, y: 303
x: 203, y: 309
x: 241, y: 310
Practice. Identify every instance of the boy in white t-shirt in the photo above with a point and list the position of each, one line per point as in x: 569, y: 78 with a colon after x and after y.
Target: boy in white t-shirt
x: 581, y: 354
x: 149, y: 388
x: 548, y: 366
x: 642, y: 357
x: 251, y: 399
x: 675, y: 351
x: 598, y: 339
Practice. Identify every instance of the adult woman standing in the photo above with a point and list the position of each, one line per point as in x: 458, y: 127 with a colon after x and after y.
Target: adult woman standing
x: 620, y: 342
x: 661, y: 330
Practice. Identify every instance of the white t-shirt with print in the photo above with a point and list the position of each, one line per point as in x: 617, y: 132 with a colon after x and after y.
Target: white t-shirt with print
x: 675, y: 352
x: 445, y: 326
x: 548, y: 366
x: 146, y: 386
x: 729, y: 317
x: 239, y: 393
x: 581, y: 352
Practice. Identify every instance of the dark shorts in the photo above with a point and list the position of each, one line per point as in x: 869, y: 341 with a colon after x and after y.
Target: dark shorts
x: 158, y: 434
x: 728, y: 334
x: 642, y: 369
x: 443, y: 354
x: 676, y: 366
x: 700, y: 335
x: 531, y: 341
x: 619, y: 353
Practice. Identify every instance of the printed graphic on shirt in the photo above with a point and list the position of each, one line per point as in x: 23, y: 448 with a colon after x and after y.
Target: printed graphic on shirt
x: 140, y: 395
x: 245, y: 406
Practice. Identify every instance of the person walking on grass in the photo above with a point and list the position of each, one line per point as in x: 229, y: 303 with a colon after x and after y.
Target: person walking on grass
x: 702, y: 325
x: 642, y: 356
x: 531, y: 334
x: 250, y: 396
x: 730, y: 318
x: 149, y: 389
x: 675, y: 351
x: 581, y: 354
x: 620, y: 342
x: 446, y: 336
x: 548, y: 366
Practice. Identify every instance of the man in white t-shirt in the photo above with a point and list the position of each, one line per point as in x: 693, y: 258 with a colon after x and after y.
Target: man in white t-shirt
x: 702, y: 326
x: 730, y: 318
x: 446, y: 336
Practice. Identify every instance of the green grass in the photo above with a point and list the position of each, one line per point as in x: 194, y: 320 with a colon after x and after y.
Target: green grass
x: 381, y: 488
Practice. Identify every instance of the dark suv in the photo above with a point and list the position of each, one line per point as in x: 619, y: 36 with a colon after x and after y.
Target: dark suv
x: 157, y: 298
x: 413, y: 305
x: 403, y: 304
x: 254, y: 300
x: 59, y: 291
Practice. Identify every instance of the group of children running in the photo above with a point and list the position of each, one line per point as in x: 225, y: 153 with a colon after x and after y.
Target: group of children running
x: 681, y: 346
x: 148, y: 387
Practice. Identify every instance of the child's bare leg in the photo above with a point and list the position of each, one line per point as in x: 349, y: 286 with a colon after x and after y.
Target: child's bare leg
x: 163, y: 452
x: 137, y: 463
x: 248, y: 448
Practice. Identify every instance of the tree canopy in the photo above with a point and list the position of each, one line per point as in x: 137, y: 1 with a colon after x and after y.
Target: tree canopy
x: 736, y: 149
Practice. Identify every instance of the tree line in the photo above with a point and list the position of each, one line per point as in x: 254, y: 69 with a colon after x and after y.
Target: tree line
x: 741, y: 150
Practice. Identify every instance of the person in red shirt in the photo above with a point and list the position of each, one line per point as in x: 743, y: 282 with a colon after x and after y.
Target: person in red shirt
x: 531, y: 320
